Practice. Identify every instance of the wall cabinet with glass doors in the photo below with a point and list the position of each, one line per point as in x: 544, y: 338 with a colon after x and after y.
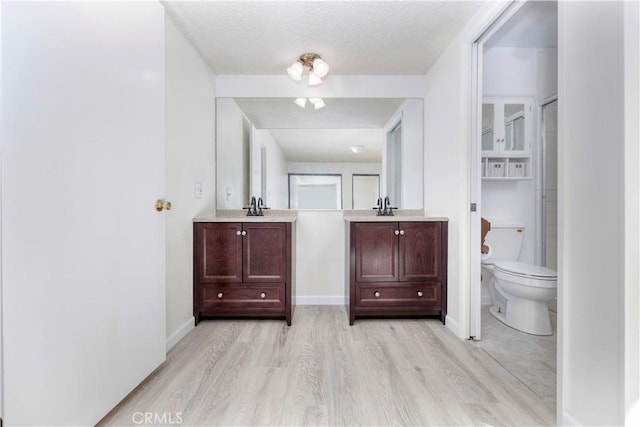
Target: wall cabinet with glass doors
x: 506, y: 138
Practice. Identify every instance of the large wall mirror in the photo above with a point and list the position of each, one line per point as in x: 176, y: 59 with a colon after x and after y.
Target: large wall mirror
x: 348, y: 153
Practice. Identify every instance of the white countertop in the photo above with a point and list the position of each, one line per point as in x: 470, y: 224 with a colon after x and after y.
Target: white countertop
x: 406, y: 215
x: 241, y: 216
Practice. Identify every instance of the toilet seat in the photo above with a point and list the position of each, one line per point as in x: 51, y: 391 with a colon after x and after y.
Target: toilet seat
x: 526, y: 274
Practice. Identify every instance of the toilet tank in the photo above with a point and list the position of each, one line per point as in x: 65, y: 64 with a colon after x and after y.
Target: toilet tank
x: 505, y: 241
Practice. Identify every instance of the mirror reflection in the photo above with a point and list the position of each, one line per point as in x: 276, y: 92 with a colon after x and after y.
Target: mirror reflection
x: 342, y: 156
x: 503, y: 127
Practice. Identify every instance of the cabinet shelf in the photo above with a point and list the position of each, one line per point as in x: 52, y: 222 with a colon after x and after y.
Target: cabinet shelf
x: 505, y: 178
x: 506, y: 168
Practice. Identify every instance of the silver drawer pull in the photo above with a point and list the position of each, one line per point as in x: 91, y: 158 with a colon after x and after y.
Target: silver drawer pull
x: 376, y: 294
x: 238, y: 233
x: 419, y: 293
x: 396, y: 232
x: 220, y: 295
x: 244, y: 233
x: 263, y: 295
x: 402, y: 232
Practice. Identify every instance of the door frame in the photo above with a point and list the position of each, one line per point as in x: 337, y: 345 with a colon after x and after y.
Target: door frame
x: 1, y: 241
x: 475, y: 153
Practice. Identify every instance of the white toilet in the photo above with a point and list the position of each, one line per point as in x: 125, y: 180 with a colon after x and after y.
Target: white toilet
x: 519, y: 291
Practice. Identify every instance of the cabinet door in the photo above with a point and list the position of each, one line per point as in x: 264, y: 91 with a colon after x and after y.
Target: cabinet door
x: 264, y: 252
x: 420, y: 251
x: 506, y: 125
x: 490, y: 135
x: 219, y: 252
x: 376, y: 251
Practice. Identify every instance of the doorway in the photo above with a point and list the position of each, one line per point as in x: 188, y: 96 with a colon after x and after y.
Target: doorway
x: 515, y: 71
x: 515, y: 64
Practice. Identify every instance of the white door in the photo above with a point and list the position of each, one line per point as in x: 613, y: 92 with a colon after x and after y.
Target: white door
x: 83, y: 247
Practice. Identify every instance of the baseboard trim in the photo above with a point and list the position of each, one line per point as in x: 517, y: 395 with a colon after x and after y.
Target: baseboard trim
x: 180, y: 333
x: 451, y: 324
x: 569, y: 421
x: 321, y: 300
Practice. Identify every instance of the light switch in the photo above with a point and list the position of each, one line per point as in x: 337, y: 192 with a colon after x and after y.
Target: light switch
x: 228, y: 194
x: 198, y: 190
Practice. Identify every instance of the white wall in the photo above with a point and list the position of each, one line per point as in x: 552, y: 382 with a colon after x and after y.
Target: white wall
x: 446, y: 170
x: 190, y: 160
x: 1, y: 287
x: 512, y: 202
x: 320, y: 258
x: 632, y: 212
x: 546, y: 73
x: 345, y: 169
x: 509, y: 71
x: 277, y: 184
x: 233, y: 174
x: 513, y: 72
x: 83, y: 247
x: 591, y: 212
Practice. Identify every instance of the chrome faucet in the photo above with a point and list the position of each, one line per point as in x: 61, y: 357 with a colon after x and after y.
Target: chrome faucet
x: 384, y: 208
x: 252, y: 208
x: 261, y: 206
x: 387, y: 208
x: 255, y: 208
x: 378, y: 207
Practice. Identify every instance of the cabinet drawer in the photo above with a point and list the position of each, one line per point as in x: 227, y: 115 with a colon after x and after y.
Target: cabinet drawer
x: 240, y: 296
x: 398, y: 294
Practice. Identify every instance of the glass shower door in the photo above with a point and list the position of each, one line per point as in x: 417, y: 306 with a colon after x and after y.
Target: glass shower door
x: 550, y: 184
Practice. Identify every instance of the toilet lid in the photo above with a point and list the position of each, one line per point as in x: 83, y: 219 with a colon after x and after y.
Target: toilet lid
x: 526, y: 270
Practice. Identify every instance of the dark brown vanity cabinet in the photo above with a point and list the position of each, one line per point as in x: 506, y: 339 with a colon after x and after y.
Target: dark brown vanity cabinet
x: 397, y: 269
x: 242, y: 269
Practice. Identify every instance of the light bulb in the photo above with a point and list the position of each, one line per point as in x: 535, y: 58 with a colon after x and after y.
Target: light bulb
x: 320, y: 68
x: 300, y: 102
x: 320, y: 104
x: 295, y: 71
x: 314, y: 80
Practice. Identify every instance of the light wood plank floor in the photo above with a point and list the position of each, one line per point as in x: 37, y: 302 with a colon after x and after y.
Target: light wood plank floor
x: 321, y: 371
x: 530, y: 358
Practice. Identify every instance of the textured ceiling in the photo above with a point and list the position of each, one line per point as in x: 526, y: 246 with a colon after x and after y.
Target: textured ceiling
x: 353, y: 37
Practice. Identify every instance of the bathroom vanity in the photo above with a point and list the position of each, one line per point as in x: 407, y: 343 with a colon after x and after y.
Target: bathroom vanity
x: 397, y: 266
x: 243, y: 266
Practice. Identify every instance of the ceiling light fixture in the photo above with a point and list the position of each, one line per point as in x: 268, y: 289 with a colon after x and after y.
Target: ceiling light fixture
x: 317, y: 68
x: 317, y: 103
x: 357, y: 149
